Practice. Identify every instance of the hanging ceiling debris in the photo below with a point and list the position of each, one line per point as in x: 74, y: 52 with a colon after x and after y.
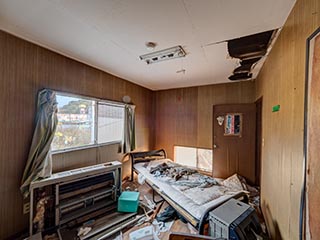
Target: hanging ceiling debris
x: 250, y: 50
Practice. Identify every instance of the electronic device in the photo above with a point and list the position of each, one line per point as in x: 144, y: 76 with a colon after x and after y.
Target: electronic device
x: 234, y: 220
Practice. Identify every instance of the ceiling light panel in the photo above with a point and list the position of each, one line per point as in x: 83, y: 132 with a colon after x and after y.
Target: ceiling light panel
x: 163, y: 55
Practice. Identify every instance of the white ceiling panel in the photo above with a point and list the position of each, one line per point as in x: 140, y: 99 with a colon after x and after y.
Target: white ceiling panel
x: 111, y: 34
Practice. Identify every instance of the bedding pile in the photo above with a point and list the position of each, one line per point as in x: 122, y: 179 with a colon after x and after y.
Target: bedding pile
x: 182, y: 176
x: 190, y: 190
x: 200, y: 188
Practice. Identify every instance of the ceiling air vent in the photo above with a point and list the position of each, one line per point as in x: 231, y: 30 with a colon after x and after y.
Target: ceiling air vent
x: 163, y: 55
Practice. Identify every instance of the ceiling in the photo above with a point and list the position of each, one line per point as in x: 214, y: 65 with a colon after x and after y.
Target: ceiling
x: 111, y: 34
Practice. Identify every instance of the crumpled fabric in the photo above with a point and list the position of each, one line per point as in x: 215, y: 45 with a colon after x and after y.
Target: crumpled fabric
x: 39, y: 163
x: 182, y: 176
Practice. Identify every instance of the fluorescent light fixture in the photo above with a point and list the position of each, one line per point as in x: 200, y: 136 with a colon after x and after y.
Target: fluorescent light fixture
x: 163, y: 55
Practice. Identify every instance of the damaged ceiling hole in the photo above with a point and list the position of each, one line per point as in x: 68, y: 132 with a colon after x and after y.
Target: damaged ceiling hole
x: 240, y: 76
x: 250, y: 50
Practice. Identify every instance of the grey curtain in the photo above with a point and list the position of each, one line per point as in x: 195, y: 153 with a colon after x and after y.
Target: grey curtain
x: 39, y: 163
x: 129, y: 135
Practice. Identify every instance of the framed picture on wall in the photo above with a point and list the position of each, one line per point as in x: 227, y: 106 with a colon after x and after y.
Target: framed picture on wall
x: 310, y: 193
x: 233, y: 124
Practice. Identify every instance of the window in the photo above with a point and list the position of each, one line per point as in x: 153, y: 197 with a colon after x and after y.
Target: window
x: 110, y: 123
x: 194, y: 157
x: 86, y: 122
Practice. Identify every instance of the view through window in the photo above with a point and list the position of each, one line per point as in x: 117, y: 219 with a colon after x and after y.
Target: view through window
x: 84, y: 122
x: 110, y: 123
x: 194, y: 157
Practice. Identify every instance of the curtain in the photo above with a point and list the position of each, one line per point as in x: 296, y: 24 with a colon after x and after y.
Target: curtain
x: 39, y: 163
x: 129, y: 136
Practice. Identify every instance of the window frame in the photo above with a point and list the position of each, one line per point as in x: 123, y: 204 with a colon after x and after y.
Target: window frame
x: 95, y: 122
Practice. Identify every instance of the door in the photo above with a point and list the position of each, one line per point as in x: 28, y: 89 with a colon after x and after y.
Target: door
x: 234, y: 140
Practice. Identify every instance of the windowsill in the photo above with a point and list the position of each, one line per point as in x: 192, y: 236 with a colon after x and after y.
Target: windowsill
x: 84, y: 147
x: 205, y: 172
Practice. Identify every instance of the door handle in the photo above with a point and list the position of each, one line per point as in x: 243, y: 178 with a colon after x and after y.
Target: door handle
x: 215, y: 146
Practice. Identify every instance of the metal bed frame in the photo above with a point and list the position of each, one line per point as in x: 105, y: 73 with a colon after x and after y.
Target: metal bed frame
x: 146, y: 156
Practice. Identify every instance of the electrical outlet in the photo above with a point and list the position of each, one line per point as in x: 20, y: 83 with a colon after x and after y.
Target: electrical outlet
x: 26, y: 208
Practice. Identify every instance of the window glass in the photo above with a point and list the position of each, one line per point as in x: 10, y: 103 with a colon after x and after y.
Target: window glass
x: 194, y: 157
x: 75, y: 122
x: 205, y: 159
x: 186, y: 156
x: 86, y: 121
x: 110, y: 123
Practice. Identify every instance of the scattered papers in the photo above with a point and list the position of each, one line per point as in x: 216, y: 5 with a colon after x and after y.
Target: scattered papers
x: 146, y: 233
x: 162, y: 226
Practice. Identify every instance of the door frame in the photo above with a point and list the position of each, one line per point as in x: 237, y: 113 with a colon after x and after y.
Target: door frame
x: 259, y: 122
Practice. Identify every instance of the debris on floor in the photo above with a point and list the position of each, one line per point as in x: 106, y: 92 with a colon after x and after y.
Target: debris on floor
x: 53, y: 236
x: 83, y: 231
x: 162, y: 226
x: 169, y: 214
x: 144, y: 233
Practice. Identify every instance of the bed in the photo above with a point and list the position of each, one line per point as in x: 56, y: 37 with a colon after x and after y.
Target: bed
x: 193, y: 195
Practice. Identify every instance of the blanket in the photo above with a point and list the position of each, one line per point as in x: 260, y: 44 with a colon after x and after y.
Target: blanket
x: 196, y: 186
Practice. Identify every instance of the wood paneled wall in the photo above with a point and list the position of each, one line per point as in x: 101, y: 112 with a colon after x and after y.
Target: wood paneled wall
x: 281, y: 81
x: 25, y: 68
x: 184, y: 116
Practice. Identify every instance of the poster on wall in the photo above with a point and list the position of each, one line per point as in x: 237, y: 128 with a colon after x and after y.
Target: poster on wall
x: 233, y: 124
x: 310, y: 210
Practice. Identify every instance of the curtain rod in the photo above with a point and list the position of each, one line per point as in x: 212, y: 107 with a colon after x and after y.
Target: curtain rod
x: 101, y: 100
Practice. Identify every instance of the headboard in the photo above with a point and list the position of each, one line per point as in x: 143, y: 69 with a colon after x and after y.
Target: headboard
x: 146, y: 156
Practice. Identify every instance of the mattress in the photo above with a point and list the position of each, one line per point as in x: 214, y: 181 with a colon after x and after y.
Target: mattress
x: 195, y: 200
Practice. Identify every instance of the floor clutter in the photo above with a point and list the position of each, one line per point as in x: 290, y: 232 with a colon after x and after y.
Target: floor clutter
x: 152, y: 221
x: 140, y: 215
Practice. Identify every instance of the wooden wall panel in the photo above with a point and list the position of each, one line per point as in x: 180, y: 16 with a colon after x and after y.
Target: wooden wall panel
x: 241, y: 92
x: 184, y: 116
x: 281, y: 81
x: 26, y: 68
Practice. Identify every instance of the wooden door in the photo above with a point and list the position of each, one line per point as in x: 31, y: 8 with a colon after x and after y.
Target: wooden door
x: 234, y: 140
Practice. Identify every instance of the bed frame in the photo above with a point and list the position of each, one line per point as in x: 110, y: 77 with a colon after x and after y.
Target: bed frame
x: 138, y: 157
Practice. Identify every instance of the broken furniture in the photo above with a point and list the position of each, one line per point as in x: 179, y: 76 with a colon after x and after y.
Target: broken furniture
x: 68, y: 199
x: 195, y: 213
